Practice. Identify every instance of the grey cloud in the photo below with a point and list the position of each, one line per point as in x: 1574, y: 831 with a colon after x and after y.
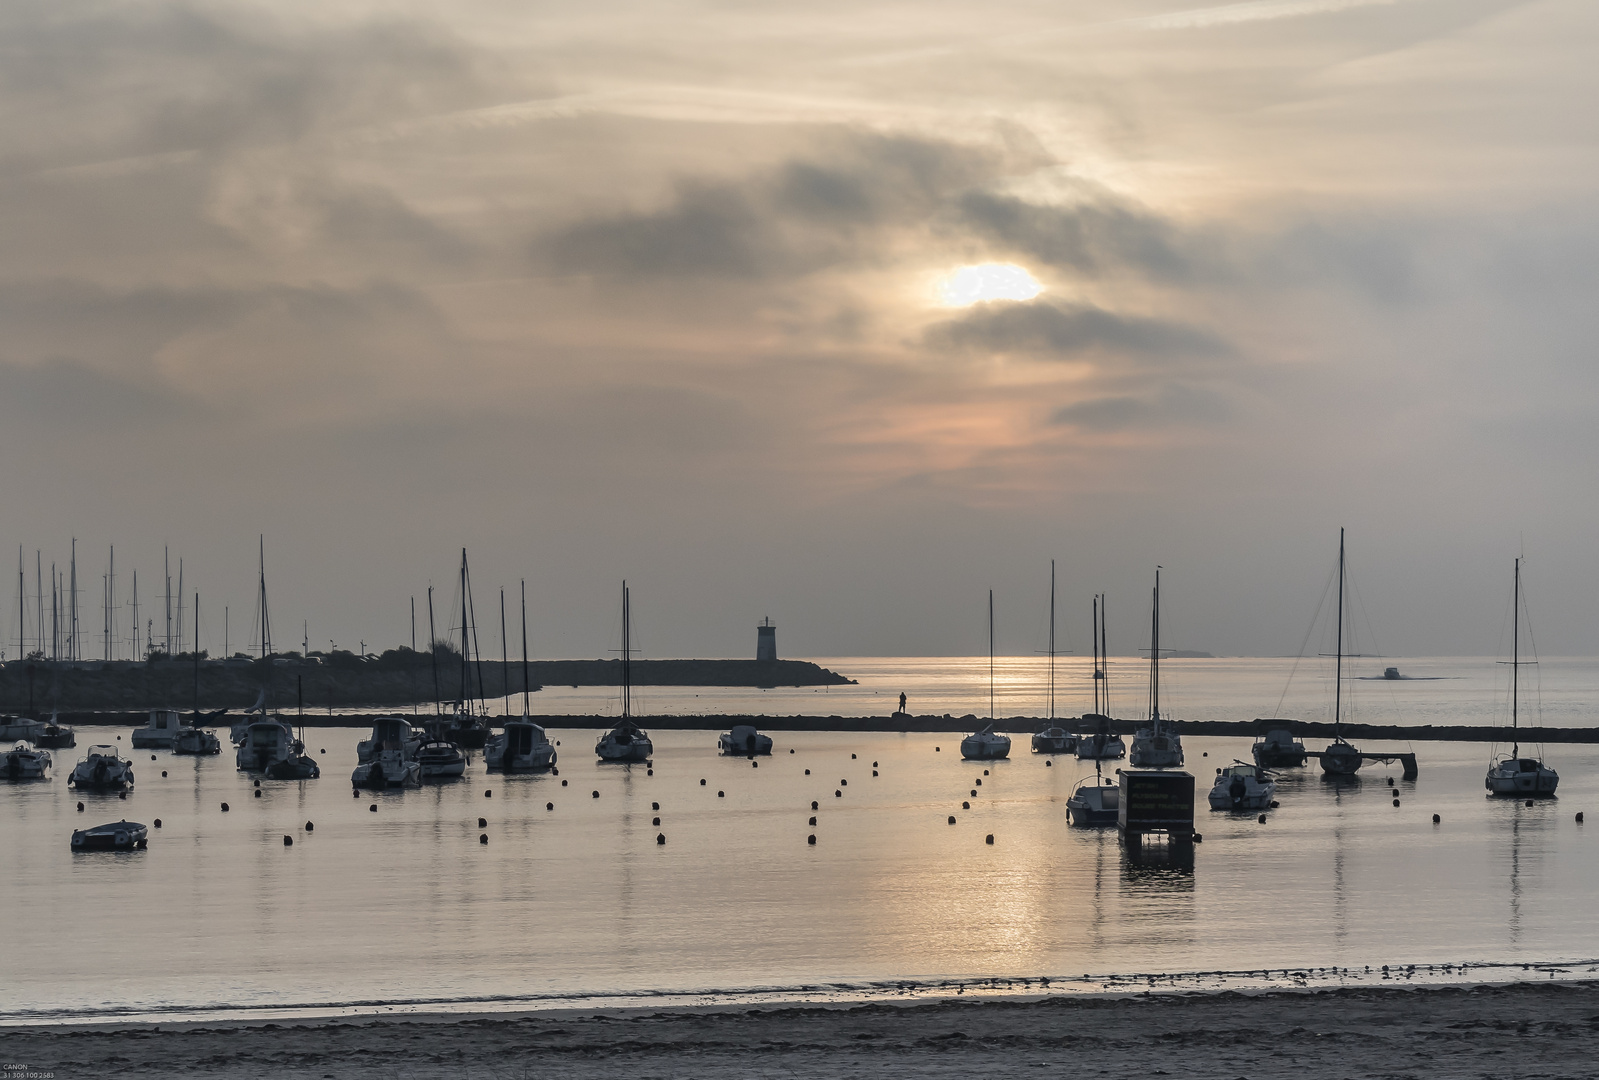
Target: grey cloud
x: 68, y: 395
x: 1048, y: 328
x: 1092, y: 236
x: 1176, y: 404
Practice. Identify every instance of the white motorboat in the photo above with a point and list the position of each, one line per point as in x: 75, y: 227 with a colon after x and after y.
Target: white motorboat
x: 1096, y: 802
x: 521, y: 747
x: 1242, y: 787
x: 744, y: 739
x: 117, y: 836
x: 20, y: 729
x: 440, y: 759
x: 158, y: 733
x: 253, y: 714
x: 388, y: 768
x: 986, y: 745
x: 1278, y: 749
x: 102, y: 769
x: 24, y: 761
x: 1155, y: 747
x: 193, y: 740
x: 389, y: 732
x: 1516, y: 775
x: 266, y: 743
x: 1052, y: 738
x: 626, y: 741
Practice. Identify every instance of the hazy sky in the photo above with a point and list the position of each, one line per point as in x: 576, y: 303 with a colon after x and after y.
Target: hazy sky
x: 651, y: 291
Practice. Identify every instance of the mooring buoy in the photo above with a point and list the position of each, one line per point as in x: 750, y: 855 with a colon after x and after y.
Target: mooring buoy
x: 288, y: 841
x: 952, y: 819
x: 596, y: 795
x: 814, y: 805
x: 874, y: 772
x: 158, y: 823
x: 563, y: 783
x: 488, y: 793
x: 852, y: 757
x: 483, y: 838
x: 811, y: 839
x: 482, y: 823
x: 807, y: 773
x: 843, y: 783
x: 258, y: 783
x: 224, y: 807
x: 1436, y: 819
x: 310, y: 826
x: 163, y: 773
x: 1262, y: 819
x: 656, y: 822
x: 721, y: 794
x: 1579, y: 814
x: 966, y: 806
x: 1048, y: 763
x: 660, y: 838
x: 80, y: 808
x: 549, y: 806
x: 373, y: 808
x: 989, y: 839
x: 813, y: 823
x: 702, y: 781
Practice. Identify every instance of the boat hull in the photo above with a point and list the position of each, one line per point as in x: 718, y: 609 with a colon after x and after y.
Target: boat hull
x: 1101, y: 748
x: 25, y: 763
x: 117, y: 836
x: 1538, y: 781
x: 1054, y: 742
x: 1094, y: 806
x: 1276, y: 757
x: 301, y: 767
x: 976, y: 749
x: 638, y: 750
x: 1156, y: 751
x: 744, y: 741
x: 386, y: 774
x: 57, y: 738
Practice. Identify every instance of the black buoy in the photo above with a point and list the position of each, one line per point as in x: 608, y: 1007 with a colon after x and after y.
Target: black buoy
x: 595, y: 794
x: 974, y: 793
x: 557, y: 742
x: 755, y: 764
x: 80, y: 808
x: 656, y: 822
x: 655, y: 806
x: 952, y: 819
x: 324, y: 750
x: 224, y: 807
x: 310, y: 826
x: 811, y: 839
x: 553, y: 770
x: 874, y: 772
x: 152, y: 757
x: 1262, y: 819
x: 1436, y: 819
x: 1396, y: 802
x: 373, y: 808
x: 1048, y: 763
x: 124, y: 794
x: 1274, y: 804
x: 813, y: 823
x: 1205, y: 753
x: 843, y: 783
x: 258, y: 783
x: 288, y: 841
x: 482, y: 823
x: 1529, y: 802
x: 989, y: 839
x: 488, y: 793
x: 979, y: 781
x: 874, y: 764
x: 807, y: 773
x: 660, y: 838
x: 355, y: 793
x: 483, y: 838
x: 702, y: 781
x: 258, y: 793
x: 985, y: 773
x: 1198, y: 839
x: 814, y: 805
x: 1390, y: 780
x: 158, y: 823
x: 966, y: 806
x: 936, y: 749
x: 721, y: 794
x: 791, y: 750
x: 163, y: 772
x: 563, y: 783
x: 837, y: 794
x: 852, y: 757
x: 1579, y: 814
x: 649, y: 772
x: 549, y: 806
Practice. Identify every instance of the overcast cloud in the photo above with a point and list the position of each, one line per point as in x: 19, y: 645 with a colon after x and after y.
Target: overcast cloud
x: 649, y: 291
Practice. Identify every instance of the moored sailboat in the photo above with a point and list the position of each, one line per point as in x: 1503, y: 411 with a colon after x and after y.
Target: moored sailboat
x: 1340, y: 758
x: 1052, y: 738
x: 626, y: 741
x: 1101, y: 744
x: 1515, y: 775
x: 1154, y: 747
x: 987, y: 744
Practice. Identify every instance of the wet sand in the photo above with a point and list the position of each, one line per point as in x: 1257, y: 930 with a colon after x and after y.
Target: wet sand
x: 1522, y: 1030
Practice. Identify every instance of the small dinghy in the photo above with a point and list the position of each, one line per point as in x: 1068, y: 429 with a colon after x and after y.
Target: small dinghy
x: 1279, y: 750
x: 1095, y: 803
x: 193, y: 740
x: 744, y: 739
x: 24, y: 762
x: 389, y: 768
x: 102, y: 769
x: 117, y: 836
x: 1242, y: 787
x: 521, y: 747
x: 440, y: 759
x: 158, y: 733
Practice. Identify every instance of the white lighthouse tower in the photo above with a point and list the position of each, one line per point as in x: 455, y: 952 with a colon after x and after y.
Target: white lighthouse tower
x: 766, y: 641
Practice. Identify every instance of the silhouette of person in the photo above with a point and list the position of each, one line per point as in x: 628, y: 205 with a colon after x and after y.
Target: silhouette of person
x: 902, y: 701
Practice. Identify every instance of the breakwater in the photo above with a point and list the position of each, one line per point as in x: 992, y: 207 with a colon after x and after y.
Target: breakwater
x: 1014, y: 725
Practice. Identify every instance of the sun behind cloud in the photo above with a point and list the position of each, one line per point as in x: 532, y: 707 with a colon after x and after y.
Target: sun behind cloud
x: 978, y: 282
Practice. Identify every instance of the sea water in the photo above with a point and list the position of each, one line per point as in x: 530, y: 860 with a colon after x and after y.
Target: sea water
x: 405, y: 908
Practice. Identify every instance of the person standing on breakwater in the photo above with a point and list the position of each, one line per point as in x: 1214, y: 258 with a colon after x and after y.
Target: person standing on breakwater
x: 902, y: 701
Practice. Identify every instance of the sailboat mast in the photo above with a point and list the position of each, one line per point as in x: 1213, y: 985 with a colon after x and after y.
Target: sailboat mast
x: 1052, y: 642
x: 466, y: 644
x: 1154, y: 659
x: 627, y: 654
x: 505, y: 660
x: 991, y: 655
x: 524, y: 649
x: 433, y: 652
x: 1094, y: 641
x: 1104, y: 650
x: 22, y: 610
x: 1515, y: 659
x: 1338, y: 677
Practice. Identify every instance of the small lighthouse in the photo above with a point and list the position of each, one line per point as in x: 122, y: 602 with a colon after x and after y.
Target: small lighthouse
x: 766, y: 641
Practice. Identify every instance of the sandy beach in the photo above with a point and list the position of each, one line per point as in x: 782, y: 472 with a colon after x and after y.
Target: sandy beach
x: 1524, y: 1030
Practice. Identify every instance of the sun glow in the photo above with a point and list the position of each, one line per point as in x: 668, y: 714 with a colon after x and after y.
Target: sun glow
x: 987, y: 281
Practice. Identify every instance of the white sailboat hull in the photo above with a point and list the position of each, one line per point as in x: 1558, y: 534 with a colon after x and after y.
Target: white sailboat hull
x: 1152, y: 751
x: 1522, y: 777
x: 1101, y: 748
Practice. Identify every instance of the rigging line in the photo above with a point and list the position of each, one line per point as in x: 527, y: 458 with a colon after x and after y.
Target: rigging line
x: 1315, y: 616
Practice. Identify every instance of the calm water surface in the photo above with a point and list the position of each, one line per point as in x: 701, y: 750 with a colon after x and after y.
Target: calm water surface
x: 404, y: 905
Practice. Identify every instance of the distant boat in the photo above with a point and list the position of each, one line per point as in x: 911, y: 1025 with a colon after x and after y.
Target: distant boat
x: 522, y: 746
x: 627, y: 741
x: 1279, y: 750
x: 56, y: 736
x: 1101, y: 744
x: 1340, y: 758
x: 987, y: 744
x: 389, y: 732
x: 266, y: 743
x: 117, y: 836
x: 1095, y: 803
x: 1242, y: 787
x: 159, y: 731
x: 24, y: 762
x: 17, y: 728
x: 744, y: 739
x: 440, y: 759
x: 1515, y: 775
x: 194, y: 740
x: 1052, y: 738
x: 102, y: 769
x: 1153, y: 746
x: 468, y: 726
x: 388, y: 768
